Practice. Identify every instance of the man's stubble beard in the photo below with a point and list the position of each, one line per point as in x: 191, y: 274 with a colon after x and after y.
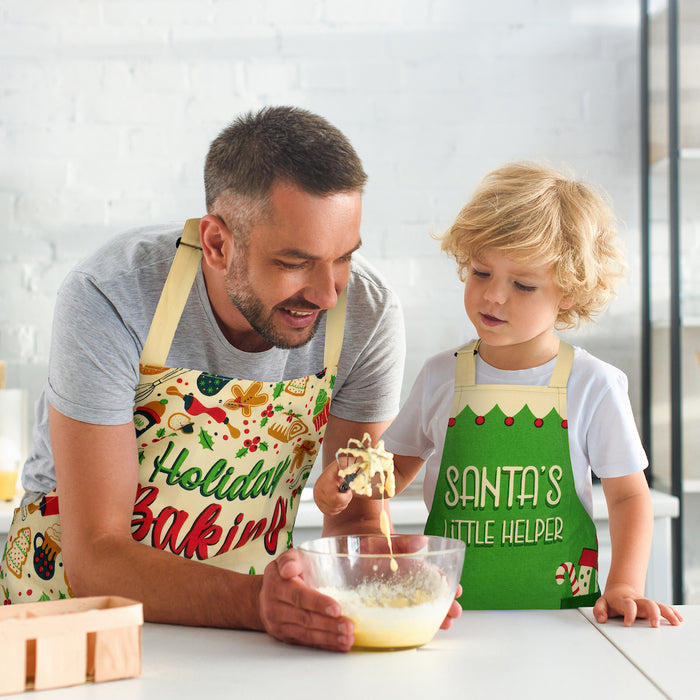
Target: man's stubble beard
x: 262, y: 322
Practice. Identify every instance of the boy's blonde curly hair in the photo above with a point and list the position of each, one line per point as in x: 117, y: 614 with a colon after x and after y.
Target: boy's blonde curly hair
x: 535, y: 215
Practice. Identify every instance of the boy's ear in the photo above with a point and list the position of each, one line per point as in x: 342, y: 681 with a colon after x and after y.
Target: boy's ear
x: 565, y: 304
x: 216, y: 241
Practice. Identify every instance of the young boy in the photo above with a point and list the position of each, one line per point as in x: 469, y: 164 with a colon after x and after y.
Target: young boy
x: 510, y: 426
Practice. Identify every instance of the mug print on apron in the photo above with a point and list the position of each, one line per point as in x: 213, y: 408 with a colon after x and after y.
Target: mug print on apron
x: 506, y: 487
x: 222, y: 461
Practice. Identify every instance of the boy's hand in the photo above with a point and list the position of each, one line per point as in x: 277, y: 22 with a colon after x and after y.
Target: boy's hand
x: 621, y: 601
x: 454, y: 612
x: 328, y: 498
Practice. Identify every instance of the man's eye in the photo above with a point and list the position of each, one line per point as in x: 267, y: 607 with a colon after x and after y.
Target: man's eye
x: 291, y: 266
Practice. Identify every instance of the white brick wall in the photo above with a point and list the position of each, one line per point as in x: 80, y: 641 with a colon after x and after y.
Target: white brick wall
x: 107, y: 108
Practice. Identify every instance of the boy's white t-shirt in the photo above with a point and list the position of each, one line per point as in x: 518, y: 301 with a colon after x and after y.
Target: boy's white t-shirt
x: 603, y: 436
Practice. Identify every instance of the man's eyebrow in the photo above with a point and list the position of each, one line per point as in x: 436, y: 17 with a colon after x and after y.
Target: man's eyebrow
x: 305, y: 255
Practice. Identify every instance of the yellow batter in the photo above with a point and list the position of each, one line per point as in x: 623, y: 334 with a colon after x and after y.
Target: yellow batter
x: 405, y: 612
x: 360, y: 458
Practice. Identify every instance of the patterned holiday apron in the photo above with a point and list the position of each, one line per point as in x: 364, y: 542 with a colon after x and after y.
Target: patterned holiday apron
x: 506, y: 488
x: 222, y: 461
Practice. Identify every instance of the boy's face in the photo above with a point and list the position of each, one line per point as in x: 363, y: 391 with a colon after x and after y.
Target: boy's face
x: 513, y: 307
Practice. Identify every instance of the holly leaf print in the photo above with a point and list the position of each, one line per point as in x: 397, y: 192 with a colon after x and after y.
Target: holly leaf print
x: 160, y: 432
x: 331, y: 383
x: 320, y: 401
x: 241, y: 452
x: 205, y: 440
x: 263, y: 421
x: 251, y: 571
x: 142, y: 456
x: 262, y: 446
x: 279, y: 387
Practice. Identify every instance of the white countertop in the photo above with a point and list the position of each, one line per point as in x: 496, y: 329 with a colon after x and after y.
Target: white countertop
x: 492, y: 654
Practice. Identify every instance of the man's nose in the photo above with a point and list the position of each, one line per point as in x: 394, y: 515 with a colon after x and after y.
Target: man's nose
x: 322, y: 289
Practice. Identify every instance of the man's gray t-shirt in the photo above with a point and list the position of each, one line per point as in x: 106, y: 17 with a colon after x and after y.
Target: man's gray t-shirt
x: 102, y: 317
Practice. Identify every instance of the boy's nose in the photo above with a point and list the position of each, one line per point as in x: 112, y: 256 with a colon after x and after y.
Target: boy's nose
x: 495, y: 292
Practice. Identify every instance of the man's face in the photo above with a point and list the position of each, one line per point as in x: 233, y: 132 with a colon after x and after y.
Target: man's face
x: 295, y: 263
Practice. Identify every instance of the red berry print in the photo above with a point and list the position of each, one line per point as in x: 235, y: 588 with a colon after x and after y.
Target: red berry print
x: 565, y: 424
x: 509, y: 421
x: 451, y: 422
x: 252, y: 445
x: 480, y: 420
x: 539, y: 422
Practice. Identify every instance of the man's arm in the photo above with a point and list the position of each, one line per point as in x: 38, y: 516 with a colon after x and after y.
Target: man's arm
x: 362, y: 514
x: 97, y: 474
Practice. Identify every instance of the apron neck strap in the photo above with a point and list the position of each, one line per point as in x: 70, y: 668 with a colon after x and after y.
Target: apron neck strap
x: 183, y: 270
x: 562, y: 368
x: 335, y: 330
x: 466, y: 365
x: 176, y: 290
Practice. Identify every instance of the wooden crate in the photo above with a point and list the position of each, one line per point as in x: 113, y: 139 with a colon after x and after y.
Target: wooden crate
x: 67, y: 642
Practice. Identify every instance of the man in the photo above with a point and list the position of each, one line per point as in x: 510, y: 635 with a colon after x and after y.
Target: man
x: 210, y: 404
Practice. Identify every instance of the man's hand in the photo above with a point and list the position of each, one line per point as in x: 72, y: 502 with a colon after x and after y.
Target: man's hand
x: 295, y: 613
x: 622, y: 601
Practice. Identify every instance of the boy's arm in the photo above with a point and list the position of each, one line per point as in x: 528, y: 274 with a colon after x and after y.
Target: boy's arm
x: 333, y: 502
x: 631, y: 528
x: 360, y: 515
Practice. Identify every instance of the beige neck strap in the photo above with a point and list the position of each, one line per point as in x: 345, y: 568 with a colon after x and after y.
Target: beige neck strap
x: 466, y: 365
x: 176, y: 289
x: 178, y: 284
x: 335, y: 329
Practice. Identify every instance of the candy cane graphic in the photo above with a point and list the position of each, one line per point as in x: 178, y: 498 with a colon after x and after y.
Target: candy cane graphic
x: 568, y: 568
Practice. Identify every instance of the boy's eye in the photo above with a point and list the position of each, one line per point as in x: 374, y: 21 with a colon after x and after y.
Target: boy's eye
x: 479, y: 273
x: 525, y: 287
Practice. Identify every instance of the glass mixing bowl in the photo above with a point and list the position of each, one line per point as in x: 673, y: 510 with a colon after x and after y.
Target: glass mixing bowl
x: 397, y: 598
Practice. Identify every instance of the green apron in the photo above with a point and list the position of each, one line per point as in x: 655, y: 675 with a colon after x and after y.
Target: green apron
x: 506, y: 488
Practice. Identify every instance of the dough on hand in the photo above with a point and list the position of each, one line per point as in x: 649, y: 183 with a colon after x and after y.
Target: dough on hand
x: 361, y: 458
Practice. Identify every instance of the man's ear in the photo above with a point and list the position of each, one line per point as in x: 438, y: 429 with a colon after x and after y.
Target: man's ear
x: 216, y: 241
